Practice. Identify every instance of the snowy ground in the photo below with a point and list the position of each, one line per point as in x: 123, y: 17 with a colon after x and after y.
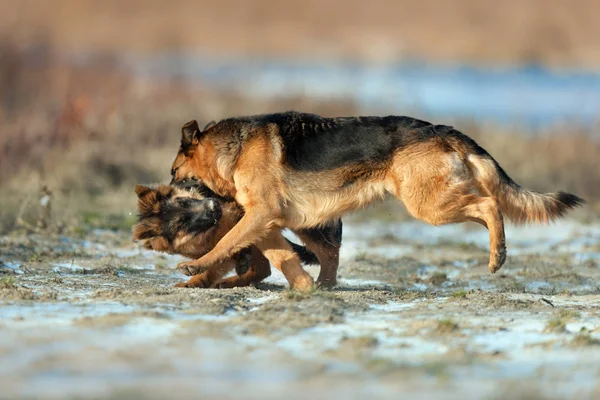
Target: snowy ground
x: 416, y: 314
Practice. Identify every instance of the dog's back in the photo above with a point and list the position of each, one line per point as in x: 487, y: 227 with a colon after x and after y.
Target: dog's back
x: 348, y: 140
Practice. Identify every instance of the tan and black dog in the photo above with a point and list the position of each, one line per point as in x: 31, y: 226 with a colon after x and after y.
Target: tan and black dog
x: 190, y: 219
x: 295, y: 170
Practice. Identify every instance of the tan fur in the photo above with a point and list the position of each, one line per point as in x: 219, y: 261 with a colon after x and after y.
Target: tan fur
x: 280, y: 254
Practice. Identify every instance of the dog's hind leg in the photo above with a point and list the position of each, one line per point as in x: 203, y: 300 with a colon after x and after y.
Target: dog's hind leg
x: 486, y: 212
x: 483, y: 210
x: 438, y: 188
x: 325, y: 243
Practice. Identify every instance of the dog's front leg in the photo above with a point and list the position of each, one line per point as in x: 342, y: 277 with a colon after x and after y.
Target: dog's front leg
x: 211, y: 277
x: 254, y: 225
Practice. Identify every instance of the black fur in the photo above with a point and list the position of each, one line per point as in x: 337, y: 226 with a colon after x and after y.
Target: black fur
x: 305, y: 255
x: 570, y: 200
x: 329, y: 236
x: 193, y: 216
x: 345, y: 141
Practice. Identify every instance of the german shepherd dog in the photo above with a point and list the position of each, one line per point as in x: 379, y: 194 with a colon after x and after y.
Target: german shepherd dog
x: 295, y: 170
x: 190, y: 219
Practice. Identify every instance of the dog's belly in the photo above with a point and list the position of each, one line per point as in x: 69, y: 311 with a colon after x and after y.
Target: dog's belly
x: 307, y: 209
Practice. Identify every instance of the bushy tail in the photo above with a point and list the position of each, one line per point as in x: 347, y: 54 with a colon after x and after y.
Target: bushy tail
x: 517, y: 203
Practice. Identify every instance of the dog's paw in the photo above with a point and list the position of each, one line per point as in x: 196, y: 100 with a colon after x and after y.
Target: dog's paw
x: 188, y: 268
x: 196, y: 281
x: 497, y: 260
x: 303, y: 283
x: 326, y: 283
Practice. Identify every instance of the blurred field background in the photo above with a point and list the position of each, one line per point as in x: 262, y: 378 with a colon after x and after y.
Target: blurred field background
x: 93, y: 93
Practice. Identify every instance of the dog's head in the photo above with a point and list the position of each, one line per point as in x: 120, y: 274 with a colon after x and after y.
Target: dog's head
x: 176, y: 220
x: 195, y: 152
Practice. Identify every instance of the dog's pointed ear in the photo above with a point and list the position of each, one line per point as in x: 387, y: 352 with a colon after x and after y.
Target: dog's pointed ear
x: 142, y: 190
x: 147, y: 199
x: 189, y: 132
x: 209, y: 125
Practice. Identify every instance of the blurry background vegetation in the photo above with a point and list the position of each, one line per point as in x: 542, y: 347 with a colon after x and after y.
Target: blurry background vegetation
x: 93, y: 93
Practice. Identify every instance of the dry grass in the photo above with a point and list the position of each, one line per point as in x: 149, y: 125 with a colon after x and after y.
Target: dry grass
x: 584, y: 339
x: 7, y: 282
x: 446, y: 326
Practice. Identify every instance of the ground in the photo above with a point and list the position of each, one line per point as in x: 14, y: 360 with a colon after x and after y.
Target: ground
x: 416, y: 312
